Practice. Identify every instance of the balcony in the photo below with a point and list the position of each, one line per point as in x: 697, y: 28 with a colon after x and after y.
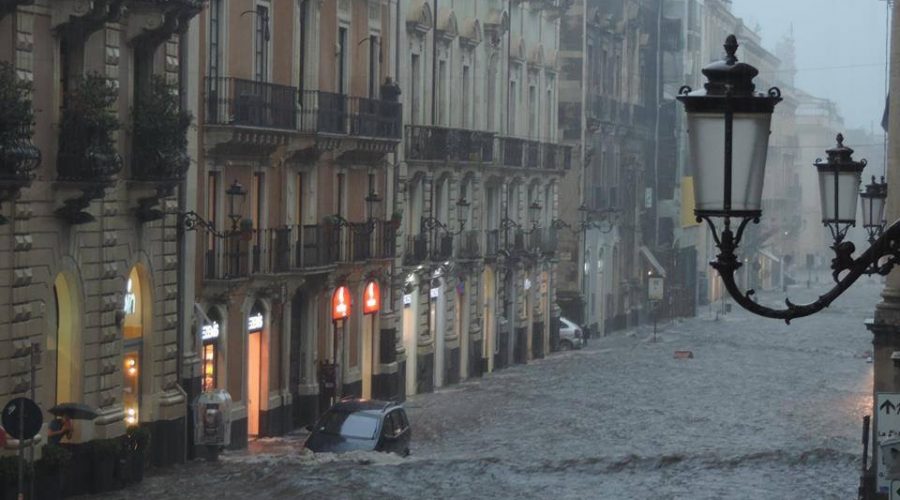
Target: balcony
x: 290, y: 249
x: 416, y: 250
x: 491, y: 242
x: 427, y: 143
x: 441, y: 246
x: 247, y: 103
x: 268, y: 111
x: 468, y: 247
x: 525, y: 153
x: 543, y: 241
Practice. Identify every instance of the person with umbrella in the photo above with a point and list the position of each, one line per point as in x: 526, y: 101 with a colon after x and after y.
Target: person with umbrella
x: 62, y: 425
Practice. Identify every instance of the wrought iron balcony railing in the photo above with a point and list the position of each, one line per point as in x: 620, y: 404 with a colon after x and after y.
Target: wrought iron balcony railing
x: 527, y: 153
x: 468, y: 246
x: 416, y: 249
x: 233, y: 101
x: 491, y: 242
x: 271, y: 251
x: 430, y: 143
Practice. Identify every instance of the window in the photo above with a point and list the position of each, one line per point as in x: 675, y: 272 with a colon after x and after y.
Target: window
x: 257, y: 200
x: 209, y: 366
x: 513, y: 101
x: 415, y: 97
x: 350, y: 425
x: 342, y: 57
x: 299, y: 195
x: 215, y: 41
x: 262, y: 43
x: 212, y: 202
x: 442, y: 94
x: 532, y: 111
x: 341, y: 186
x: 374, y: 66
x: 466, y: 106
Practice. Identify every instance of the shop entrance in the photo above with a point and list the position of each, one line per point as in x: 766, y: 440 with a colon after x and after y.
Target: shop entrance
x: 255, y: 329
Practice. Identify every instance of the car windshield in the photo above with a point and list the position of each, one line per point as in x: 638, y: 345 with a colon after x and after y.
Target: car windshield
x: 351, y: 425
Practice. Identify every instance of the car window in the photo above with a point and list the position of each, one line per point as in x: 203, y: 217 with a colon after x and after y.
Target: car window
x: 389, y: 429
x: 398, y: 422
x: 351, y: 425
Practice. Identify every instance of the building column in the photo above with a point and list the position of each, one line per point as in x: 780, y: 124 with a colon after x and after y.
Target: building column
x: 885, y: 326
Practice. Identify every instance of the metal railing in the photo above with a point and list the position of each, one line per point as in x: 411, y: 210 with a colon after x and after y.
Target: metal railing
x: 491, y: 242
x: 517, y: 152
x: 468, y: 246
x: 416, y: 249
x: 268, y: 251
x: 431, y: 143
x: 234, y: 101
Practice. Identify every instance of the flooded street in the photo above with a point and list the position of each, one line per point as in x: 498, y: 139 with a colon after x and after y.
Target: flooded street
x: 763, y: 410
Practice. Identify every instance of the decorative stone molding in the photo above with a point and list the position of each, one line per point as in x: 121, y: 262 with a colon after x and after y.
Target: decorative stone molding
x: 470, y: 36
x: 419, y: 18
x: 447, y: 28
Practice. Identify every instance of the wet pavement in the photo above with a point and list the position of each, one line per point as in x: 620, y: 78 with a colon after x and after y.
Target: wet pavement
x: 764, y: 410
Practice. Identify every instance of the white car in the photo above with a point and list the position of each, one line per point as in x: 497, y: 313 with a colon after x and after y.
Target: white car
x: 570, y: 335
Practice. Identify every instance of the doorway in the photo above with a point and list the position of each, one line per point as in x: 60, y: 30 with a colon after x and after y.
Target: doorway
x: 368, y: 353
x: 254, y: 346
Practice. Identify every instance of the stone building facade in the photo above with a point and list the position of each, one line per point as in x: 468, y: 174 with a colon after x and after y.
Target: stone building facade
x: 610, y: 110
x: 296, y: 116
x: 90, y: 235
x: 477, y: 186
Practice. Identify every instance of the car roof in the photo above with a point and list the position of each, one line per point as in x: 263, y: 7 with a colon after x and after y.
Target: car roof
x: 354, y: 405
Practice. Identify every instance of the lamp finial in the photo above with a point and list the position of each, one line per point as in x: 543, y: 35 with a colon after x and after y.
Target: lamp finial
x: 731, y: 46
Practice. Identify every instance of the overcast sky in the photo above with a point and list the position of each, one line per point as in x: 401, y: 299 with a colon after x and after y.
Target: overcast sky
x: 840, y: 48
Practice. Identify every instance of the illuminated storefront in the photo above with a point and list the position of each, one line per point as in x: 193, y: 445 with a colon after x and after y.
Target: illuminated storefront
x: 209, y: 351
x: 133, y: 337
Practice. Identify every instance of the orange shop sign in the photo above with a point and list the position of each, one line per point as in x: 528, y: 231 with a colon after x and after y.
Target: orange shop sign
x: 340, y: 304
x: 372, y: 298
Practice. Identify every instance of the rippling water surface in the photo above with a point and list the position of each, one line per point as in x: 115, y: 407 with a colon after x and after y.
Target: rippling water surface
x: 763, y: 411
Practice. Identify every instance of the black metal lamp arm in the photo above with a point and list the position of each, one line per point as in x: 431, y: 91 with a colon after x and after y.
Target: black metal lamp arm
x: 727, y: 263
x: 191, y: 221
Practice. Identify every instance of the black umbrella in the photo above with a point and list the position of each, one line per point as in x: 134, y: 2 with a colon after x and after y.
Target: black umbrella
x: 75, y: 411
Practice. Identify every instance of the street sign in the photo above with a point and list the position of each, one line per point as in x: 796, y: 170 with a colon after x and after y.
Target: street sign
x: 895, y: 490
x: 22, y: 426
x: 887, y: 426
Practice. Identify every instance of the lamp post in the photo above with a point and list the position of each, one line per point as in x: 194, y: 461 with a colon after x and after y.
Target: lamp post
x: 728, y: 124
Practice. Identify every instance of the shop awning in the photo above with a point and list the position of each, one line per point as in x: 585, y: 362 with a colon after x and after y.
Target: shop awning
x: 653, y: 262
x: 769, y: 255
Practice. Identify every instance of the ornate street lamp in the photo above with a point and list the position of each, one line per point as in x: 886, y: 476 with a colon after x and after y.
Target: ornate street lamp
x: 839, y: 179
x: 236, y: 195
x: 462, y: 214
x: 728, y: 124
x: 873, y: 199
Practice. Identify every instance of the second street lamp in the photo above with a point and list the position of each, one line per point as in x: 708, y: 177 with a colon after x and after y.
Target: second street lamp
x: 873, y: 199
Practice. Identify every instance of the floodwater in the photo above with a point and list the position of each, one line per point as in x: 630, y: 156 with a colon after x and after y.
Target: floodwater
x: 764, y: 410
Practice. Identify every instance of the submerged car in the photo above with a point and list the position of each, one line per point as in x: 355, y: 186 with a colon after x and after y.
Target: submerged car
x: 570, y: 335
x: 361, y: 425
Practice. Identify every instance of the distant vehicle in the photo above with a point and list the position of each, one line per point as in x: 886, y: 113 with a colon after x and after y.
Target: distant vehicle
x: 361, y: 424
x: 570, y: 335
